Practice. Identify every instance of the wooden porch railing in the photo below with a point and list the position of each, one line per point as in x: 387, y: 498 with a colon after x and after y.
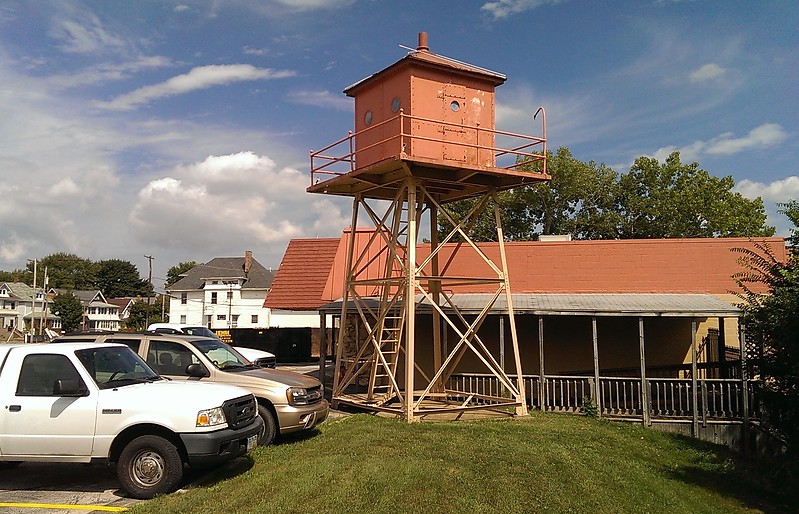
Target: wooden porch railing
x: 670, y: 399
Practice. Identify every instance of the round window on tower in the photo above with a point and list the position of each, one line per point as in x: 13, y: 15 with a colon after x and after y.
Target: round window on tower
x: 455, y: 106
x: 395, y: 104
x: 368, y: 118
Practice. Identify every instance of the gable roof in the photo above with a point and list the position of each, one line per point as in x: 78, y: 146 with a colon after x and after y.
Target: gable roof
x: 221, y: 268
x: 19, y: 290
x: 303, y: 274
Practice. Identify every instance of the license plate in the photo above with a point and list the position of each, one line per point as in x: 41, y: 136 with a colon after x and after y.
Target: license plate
x: 252, y: 441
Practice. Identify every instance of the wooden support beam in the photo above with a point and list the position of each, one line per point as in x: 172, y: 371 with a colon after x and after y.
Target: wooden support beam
x: 541, y: 381
x: 744, y: 386
x: 410, y: 305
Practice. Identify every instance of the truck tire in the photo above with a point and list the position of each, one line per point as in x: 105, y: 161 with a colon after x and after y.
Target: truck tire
x: 148, y: 466
x: 267, y: 437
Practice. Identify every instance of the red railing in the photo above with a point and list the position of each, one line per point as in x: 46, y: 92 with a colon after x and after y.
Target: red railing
x: 510, y: 151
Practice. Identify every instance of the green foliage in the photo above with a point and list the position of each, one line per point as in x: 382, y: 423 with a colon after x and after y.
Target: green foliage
x: 591, y: 201
x: 589, y: 407
x: 68, y: 271
x: 68, y: 308
x: 142, y: 314
x: 18, y: 275
x: 772, y: 329
x: 175, y: 272
x: 791, y: 210
x: 682, y: 200
x: 117, y: 278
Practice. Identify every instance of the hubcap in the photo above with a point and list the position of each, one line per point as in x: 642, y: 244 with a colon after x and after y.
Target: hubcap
x: 148, y: 468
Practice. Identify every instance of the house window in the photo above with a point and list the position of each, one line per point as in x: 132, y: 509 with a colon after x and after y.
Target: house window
x: 254, y: 319
x: 230, y: 296
x: 213, y: 297
x: 183, y: 319
x: 221, y: 317
x: 183, y: 299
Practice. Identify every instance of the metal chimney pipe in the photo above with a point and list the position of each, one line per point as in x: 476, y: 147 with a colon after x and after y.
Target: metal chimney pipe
x: 423, y: 42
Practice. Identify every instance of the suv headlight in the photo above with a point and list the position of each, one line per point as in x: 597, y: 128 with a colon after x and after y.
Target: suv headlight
x: 302, y: 396
x: 211, y: 417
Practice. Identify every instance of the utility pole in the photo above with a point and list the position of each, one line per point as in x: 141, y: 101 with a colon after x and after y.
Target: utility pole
x: 149, y: 289
x: 33, y: 304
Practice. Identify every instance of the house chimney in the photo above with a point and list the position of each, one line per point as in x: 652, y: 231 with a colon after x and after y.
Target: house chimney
x: 423, y: 43
x: 247, y: 261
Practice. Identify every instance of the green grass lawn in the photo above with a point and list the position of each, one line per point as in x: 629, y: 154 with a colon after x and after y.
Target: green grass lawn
x: 544, y: 463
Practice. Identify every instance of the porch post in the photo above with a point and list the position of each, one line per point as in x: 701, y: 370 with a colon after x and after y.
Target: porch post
x: 644, y: 388
x: 724, y: 371
x: 597, y: 387
x: 744, y: 385
x: 502, y: 342
x: 322, y: 347
x: 694, y: 391
x: 541, y: 386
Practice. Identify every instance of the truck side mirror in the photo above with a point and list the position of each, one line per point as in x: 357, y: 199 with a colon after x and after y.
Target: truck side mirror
x: 196, y: 370
x: 65, y: 387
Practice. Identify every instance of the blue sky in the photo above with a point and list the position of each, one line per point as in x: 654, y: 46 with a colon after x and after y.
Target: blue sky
x: 181, y: 130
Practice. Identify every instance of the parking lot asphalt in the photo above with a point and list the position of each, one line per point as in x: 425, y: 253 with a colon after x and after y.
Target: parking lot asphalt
x: 39, y: 488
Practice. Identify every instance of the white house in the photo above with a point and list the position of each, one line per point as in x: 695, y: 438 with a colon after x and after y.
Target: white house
x: 98, y: 313
x: 19, y: 304
x: 222, y: 294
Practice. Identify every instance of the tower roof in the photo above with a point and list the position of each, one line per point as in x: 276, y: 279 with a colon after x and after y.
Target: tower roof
x: 423, y: 57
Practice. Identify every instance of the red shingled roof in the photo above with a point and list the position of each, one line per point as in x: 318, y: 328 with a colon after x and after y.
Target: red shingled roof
x: 312, y: 272
x: 303, y: 273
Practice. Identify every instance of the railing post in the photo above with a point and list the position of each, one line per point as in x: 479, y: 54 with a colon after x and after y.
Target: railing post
x: 352, y: 154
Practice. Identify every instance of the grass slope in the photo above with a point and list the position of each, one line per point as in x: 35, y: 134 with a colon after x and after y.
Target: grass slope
x: 544, y: 463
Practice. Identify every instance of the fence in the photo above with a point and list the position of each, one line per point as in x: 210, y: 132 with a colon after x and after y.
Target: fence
x: 669, y: 399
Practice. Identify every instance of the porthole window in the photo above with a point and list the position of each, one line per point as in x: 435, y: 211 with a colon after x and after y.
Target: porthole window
x: 395, y: 104
x: 455, y: 106
x: 368, y: 118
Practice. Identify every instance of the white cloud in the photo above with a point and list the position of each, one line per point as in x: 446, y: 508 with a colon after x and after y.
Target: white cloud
x: 707, y: 72
x: 85, y: 35
x: 107, y: 72
x: 763, y: 136
x: 201, y: 77
x: 779, y: 191
x: 504, y: 8
x: 181, y: 8
x: 255, y: 51
x: 230, y: 201
x: 315, y: 4
x: 324, y: 99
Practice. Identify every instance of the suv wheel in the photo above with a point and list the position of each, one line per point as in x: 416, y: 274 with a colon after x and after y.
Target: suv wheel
x: 267, y: 437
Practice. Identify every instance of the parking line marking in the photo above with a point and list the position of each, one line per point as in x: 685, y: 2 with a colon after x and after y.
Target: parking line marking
x: 62, y: 507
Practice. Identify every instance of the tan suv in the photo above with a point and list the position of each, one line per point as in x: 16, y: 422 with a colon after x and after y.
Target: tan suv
x: 288, y: 402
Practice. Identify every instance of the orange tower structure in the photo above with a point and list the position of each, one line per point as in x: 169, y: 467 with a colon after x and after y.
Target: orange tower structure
x: 424, y: 137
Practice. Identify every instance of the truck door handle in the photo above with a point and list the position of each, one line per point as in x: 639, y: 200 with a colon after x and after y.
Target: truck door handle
x: 15, y: 408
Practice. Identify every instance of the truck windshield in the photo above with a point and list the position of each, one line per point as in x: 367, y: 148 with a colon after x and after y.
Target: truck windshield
x: 115, y: 366
x: 224, y: 357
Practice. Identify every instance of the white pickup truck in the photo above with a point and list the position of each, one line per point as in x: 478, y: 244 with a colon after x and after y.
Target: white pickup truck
x: 84, y: 402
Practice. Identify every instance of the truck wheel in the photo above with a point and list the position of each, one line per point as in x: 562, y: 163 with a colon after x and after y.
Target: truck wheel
x: 267, y: 437
x: 149, y: 465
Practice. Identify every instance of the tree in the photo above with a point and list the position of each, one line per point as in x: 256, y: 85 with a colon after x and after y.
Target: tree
x: 791, y: 210
x: 175, y: 272
x: 69, y: 309
x: 772, y: 333
x: 18, y: 275
x: 682, y: 200
x: 591, y: 201
x: 116, y: 278
x: 141, y: 314
x: 68, y: 271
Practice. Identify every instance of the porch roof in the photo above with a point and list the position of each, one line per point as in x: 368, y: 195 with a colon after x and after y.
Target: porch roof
x: 592, y: 304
